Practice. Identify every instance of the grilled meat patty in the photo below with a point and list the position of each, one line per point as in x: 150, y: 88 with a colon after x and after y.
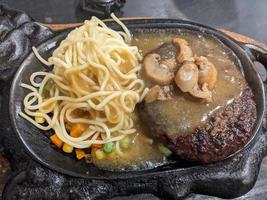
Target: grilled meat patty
x: 226, y: 132
x: 223, y: 133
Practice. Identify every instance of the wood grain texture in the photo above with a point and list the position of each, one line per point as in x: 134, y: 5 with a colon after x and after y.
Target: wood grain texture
x: 259, y: 192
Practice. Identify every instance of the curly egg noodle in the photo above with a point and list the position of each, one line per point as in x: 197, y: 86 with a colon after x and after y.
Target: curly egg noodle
x: 95, y: 72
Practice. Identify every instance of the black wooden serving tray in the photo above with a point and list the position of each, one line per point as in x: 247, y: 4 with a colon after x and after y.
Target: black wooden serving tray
x: 229, y: 178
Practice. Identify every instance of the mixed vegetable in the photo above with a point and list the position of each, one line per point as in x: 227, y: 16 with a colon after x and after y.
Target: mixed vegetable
x: 97, y: 151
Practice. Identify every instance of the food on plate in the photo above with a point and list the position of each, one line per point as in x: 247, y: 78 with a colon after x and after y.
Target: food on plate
x: 197, y: 75
x: 207, y: 72
x: 158, y: 70
x: 124, y: 100
x: 210, y: 111
x: 88, y: 99
x: 185, y: 52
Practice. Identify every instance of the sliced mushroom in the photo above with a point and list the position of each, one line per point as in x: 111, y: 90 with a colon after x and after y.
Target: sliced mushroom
x: 187, y: 76
x: 203, y: 93
x: 157, y: 72
x: 166, y: 93
x: 185, y: 53
x: 170, y: 63
x: 207, y: 72
x: 158, y: 93
x: 152, y: 94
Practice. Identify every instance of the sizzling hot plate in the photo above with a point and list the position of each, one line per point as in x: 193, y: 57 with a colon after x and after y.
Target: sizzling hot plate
x: 38, y: 144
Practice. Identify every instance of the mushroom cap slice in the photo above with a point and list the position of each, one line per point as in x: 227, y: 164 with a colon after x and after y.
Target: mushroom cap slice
x: 157, y: 72
x: 207, y: 72
x: 159, y: 93
x: 203, y: 93
x: 152, y: 94
x: 185, y: 52
x: 170, y: 63
x: 187, y: 76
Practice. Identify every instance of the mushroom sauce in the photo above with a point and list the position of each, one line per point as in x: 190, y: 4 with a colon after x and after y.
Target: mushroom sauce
x: 143, y: 153
x: 183, y: 113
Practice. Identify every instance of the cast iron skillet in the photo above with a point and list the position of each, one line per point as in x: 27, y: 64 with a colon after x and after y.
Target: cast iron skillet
x: 38, y: 145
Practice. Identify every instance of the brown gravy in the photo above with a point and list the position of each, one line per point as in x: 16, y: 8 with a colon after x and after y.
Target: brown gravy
x: 184, y: 111
x: 142, y: 154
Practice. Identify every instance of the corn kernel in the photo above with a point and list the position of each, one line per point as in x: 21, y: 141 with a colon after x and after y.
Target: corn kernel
x: 99, y: 154
x: 112, y: 155
x: 46, y: 107
x: 39, y: 119
x: 67, y: 148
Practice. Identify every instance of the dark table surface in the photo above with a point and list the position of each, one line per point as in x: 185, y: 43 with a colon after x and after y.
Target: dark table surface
x: 246, y: 17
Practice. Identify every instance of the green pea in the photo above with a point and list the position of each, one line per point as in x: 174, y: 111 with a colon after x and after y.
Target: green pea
x: 47, y: 87
x: 125, y: 142
x: 68, y: 127
x: 108, y: 147
x: 167, y: 152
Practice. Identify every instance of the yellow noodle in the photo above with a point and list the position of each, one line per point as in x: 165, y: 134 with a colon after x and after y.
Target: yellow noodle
x: 40, y: 57
x: 90, y: 75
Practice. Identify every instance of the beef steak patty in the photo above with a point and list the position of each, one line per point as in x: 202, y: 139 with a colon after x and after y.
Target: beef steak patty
x: 225, y: 132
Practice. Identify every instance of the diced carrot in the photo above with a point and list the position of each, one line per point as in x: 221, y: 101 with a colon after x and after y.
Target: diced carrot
x: 97, y: 146
x: 77, y: 129
x: 67, y: 148
x: 56, y: 141
x: 79, y: 154
x: 93, y: 150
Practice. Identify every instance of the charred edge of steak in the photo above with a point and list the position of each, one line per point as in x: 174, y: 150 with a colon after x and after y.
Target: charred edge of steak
x: 225, y: 133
